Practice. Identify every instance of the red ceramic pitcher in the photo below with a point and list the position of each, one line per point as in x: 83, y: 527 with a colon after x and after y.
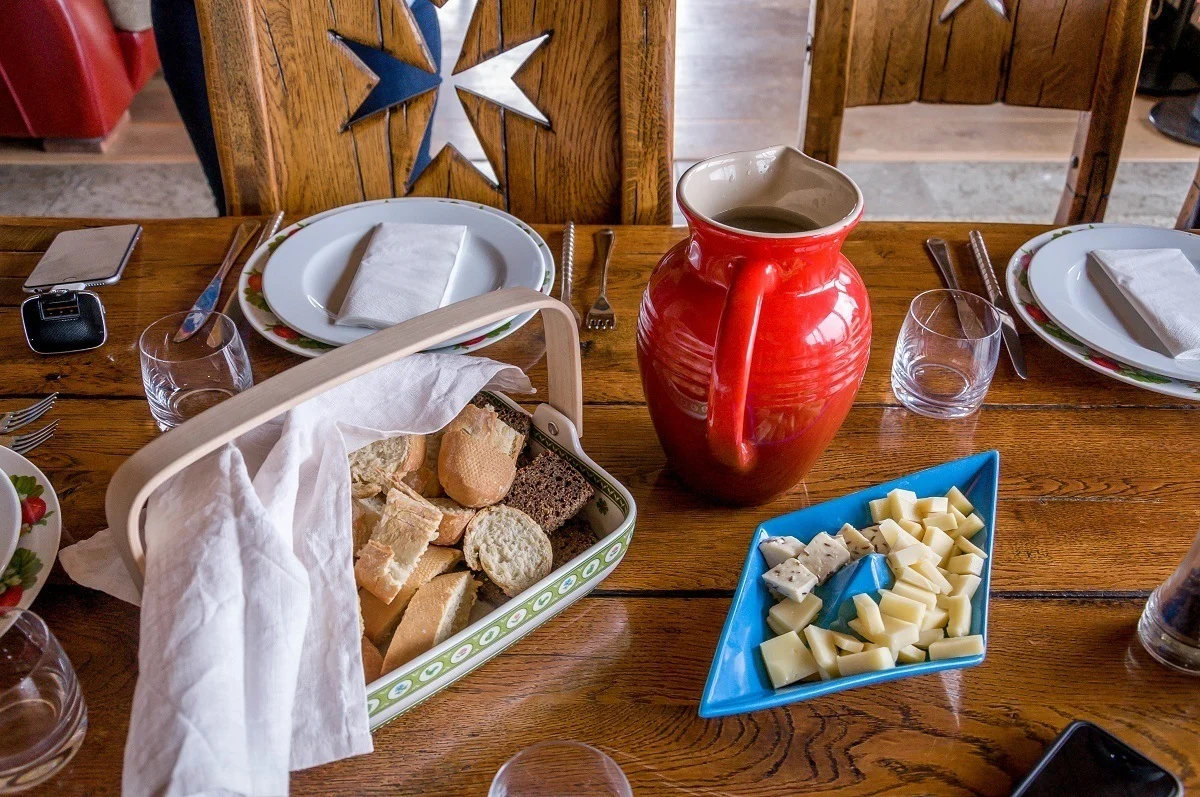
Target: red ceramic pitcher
x: 752, y: 345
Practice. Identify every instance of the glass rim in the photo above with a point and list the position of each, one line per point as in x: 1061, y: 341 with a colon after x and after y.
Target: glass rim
x: 215, y: 314
x: 604, y: 758
x: 16, y: 613
x: 954, y: 293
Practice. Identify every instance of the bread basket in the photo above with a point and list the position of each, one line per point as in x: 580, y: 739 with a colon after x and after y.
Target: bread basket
x: 557, y: 425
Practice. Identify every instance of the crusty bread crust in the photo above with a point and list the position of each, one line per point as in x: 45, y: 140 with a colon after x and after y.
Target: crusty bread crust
x: 455, y: 518
x: 478, y: 457
x: 386, y: 461
x: 380, y: 619
x: 509, y: 546
x: 376, y: 571
x: 364, y: 517
x: 438, y: 610
x: 407, y: 526
x: 372, y: 660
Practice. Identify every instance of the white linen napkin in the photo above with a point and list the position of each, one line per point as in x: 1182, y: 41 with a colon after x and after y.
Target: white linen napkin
x: 403, y: 273
x: 1164, y: 287
x: 249, y: 661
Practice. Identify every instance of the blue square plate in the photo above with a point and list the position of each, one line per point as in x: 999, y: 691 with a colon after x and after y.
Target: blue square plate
x: 738, y: 682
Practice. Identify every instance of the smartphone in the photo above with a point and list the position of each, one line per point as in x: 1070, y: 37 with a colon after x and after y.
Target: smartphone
x: 91, y: 257
x: 1087, y: 760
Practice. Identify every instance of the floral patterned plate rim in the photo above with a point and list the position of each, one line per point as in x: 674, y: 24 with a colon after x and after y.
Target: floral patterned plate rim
x: 1017, y: 282
x: 41, y: 527
x: 254, y: 304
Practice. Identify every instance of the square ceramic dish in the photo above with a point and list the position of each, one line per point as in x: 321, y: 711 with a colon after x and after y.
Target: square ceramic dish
x: 556, y: 425
x: 738, y: 682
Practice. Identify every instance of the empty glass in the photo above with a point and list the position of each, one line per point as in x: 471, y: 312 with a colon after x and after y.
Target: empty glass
x: 557, y: 768
x: 43, y: 718
x: 184, y: 379
x: 946, y: 354
x: 1170, y: 625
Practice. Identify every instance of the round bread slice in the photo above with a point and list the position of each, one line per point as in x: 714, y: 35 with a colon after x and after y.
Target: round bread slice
x: 509, y: 546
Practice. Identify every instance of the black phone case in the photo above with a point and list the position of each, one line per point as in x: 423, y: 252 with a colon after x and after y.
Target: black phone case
x: 62, y: 323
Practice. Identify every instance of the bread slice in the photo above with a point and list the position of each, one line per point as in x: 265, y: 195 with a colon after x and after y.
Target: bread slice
x: 439, y: 610
x: 575, y: 537
x: 372, y: 661
x: 509, y: 546
x: 478, y: 457
x: 376, y: 571
x: 365, y: 514
x: 407, y: 525
x: 424, y: 480
x: 549, y: 490
x: 455, y: 518
x: 379, y: 618
x: 364, y: 489
x: 381, y: 461
x: 519, y: 420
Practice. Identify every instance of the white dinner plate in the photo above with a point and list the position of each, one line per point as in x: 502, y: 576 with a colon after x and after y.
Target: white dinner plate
x: 307, y: 275
x: 26, y: 571
x: 1016, y: 280
x: 1079, y: 296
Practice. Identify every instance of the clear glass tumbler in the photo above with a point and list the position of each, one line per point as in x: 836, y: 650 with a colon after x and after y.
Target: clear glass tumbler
x: 558, y: 768
x: 946, y: 354
x: 1170, y: 625
x: 43, y: 718
x: 184, y: 379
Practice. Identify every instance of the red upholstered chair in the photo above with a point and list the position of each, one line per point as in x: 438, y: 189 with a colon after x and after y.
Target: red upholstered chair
x: 67, y: 71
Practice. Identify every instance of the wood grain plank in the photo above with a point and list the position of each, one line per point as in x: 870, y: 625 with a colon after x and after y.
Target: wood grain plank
x: 828, y: 78
x: 967, y: 57
x: 647, y: 110
x: 1188, y: 210
x: 1056, y: 50
x: 887, y: 51
x: 626, y: 674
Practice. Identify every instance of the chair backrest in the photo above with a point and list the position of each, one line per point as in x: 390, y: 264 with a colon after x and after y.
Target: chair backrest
x: 553, y: 111
x: 1076, y: 54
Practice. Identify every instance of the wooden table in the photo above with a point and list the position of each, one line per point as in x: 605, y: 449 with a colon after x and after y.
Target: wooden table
x: 1100, y: 496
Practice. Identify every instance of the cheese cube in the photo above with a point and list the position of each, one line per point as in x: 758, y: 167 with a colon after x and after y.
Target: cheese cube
x: 902, y: 505
x: 954, y: 648
x: 912, y: 527
x: 933, y: 576
x: 824, y: 674
x: 824, y: 556
x: 930, y: 635
x: 912, y: 576
x: 868, y: 614
x: 794, y: 615
x: 777, y: 550
x: 902, y: 608
x: 946, y: 522
x: 897, y: 634
x: 959, y: 501
x: 868, y: 661
x: 786, y: 659
x: 879, y: 509
x: 966, y: 546
x: 968, y: 527
x: 790, y: 579
x: 846, y: 642
x: 932, y: 506
x: 877, y: 539
x: 959, y: 609
x: 966, y: 563
x: 858, y: 545
x: 905, y: 557
x: 820, y: 642
x: 966, y: 585
x: 935, y: 617
x: 939, y: 542
x: 890, y: 529
x: 959, y: 517
x: 911, y: 655
x: 907, y: 590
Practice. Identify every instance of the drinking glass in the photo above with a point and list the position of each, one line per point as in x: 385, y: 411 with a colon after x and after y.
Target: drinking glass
x: 1170, y: 625
x: 946, y: 354
x: 184, y: 379
x: 557, y: 768
x: 42, y: 714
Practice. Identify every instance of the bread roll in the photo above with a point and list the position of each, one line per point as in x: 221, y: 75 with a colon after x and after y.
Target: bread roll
x: 478, y: 457
x: 509, y: 546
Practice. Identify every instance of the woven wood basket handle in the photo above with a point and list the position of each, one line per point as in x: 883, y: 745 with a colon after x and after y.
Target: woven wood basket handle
x: 143, y: 472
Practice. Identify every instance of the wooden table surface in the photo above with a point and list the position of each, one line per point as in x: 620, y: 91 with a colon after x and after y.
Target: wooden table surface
x: 1099, y: 500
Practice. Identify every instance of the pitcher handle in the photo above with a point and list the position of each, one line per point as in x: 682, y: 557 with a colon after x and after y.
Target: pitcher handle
x: 736, y: 332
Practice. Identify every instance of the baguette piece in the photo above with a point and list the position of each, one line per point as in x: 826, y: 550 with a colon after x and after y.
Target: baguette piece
x: 439, y: 610
x: 376, y: 571
x: 424, y: 480
x: 478, y: 458
x: 549, y: 490
x: 372, y: 661
x: 455, y: 518
x: 509, y: 546
x: 407, y: 525
x: 519, y: 420
x: 380, y: 619
x: 365, y: 514
x: 381, y: 461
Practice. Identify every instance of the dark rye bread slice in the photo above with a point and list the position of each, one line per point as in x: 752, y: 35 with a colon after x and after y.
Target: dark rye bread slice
x: 575, y: 537
x: 549, y: 490
x: 515, y: 418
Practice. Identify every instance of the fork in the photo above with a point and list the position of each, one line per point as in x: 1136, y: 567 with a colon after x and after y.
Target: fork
x: 24, y: 443
x: 12, y: 421
x: 568, y: 269
x: 601, y: 316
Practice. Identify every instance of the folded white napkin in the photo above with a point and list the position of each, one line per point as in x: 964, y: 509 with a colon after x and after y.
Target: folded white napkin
x: 250, y: 661
x: 1164, y: 287
x: 404, y: 273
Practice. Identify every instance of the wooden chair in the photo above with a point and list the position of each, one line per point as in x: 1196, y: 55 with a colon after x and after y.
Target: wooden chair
x: 285, y: 76
x: 1077, y: 54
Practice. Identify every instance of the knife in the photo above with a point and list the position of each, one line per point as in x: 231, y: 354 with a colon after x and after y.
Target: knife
x: 1008, y: 327
x: 231, y: 307
x: 940, y: 252
x: 207, y: 302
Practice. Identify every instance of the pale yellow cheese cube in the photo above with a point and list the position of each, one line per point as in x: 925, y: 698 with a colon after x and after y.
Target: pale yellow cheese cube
x: 902, y: 505
x: 966, y: 584
x: 935, y: 617
x: 944, y: 521
x: 879, y: 509
x: 965, y: 563
x: 933, y: 576
x: 907, y: 556
x: 939, y: 542
x: 910, y: 655
x: 776, y: 626
x: 959, y: 501
x: 911, y: 575
x: 786, y: 659
x: 932, y: 506
x: 794, y: 615
x: 954, y: 648
x: 868, y: 661
x: 890, y: 530
x: 968, y: 527
x: 868, y: 613
x: 897, y: 634
x: 930, y: 635
x: 958, y: 516
x: 916, y: 593
x: 820, y: 642
x: 902, y: 608
x: 959, y: 609
x: 911, y: 526
x: 846, y: 642
x: 966, y: 546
